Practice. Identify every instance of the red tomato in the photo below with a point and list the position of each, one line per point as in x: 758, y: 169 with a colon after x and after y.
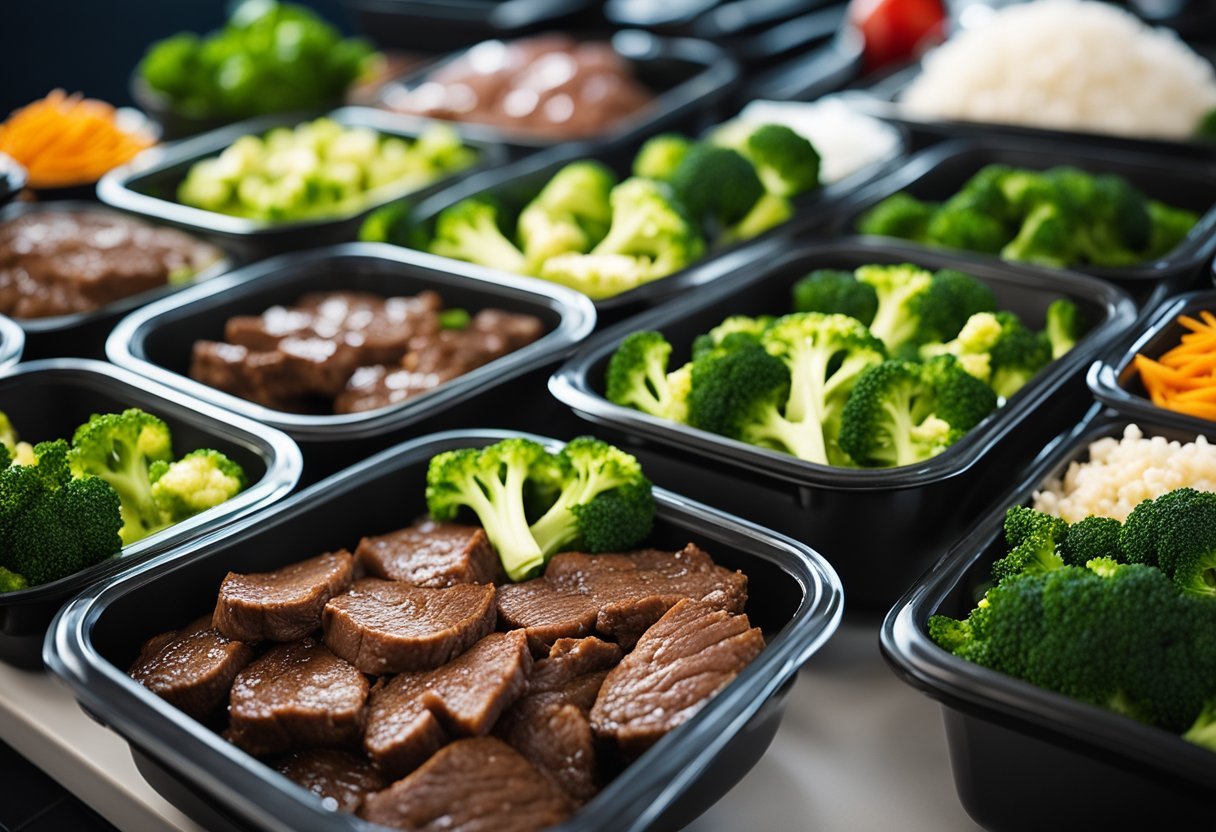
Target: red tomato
x: 896, y: 30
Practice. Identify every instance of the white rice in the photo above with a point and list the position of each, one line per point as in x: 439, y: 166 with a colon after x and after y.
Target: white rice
x: 1068, y: 65
x: 846, y: 140
x: 1122, y: 473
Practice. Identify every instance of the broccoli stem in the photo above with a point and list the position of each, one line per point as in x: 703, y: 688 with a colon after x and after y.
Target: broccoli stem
x: 500, y: 508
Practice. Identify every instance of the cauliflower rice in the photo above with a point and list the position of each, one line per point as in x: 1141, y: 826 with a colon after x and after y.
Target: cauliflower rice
x: 1122, y: 473
x: 1067, y: 65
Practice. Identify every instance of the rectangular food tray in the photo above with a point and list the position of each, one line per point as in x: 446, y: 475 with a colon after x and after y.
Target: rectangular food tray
x: 795, y: 598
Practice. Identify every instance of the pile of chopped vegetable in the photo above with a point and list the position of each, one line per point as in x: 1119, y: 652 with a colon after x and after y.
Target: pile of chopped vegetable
x: 1058, y: 217
x: 270, y: 58
x: 64, y: 140
x: 590, y: 496
x: 1184, y: 378
x: 64, y: 507
x: 320, y: 169
x: 885, y: 366
x: 591, y: 232
x: 1120, y: 615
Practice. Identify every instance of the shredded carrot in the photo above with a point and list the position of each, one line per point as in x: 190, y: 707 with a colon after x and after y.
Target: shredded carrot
x: 64, y: 140
x: 1183, y: 379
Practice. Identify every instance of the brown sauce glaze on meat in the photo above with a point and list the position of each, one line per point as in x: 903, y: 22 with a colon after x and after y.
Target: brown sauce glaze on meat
x: 283, y: 605
x: 339, y: 778
x: 192, y: 668
x: 432, y: 554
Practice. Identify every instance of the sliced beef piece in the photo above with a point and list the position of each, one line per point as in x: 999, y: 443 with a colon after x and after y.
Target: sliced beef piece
x: 627, y: 593
x: 473, y: 785
x: 191, y: 668
x: 412, y: 715
x: 390, y: 627
x: 339, y: 778
x: 550, y: 724
x: 432, y: 554
x: 371, y: 388
x: 297, y: 695
x: 283, y: 605
x: 689, y: 654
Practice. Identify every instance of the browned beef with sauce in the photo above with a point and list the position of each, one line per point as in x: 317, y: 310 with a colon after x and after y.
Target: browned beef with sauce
x: 389, y: 626
x: 473, y: 785
x: 192, y: 668
x: 283, y: 605
x: 297, y: 695
x: 412, y: 715
x: 432, y: 554
x: 339, y: 778
x: 687, y: 656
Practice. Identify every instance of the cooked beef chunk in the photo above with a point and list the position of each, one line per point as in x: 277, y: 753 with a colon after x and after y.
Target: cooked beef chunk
x: 550, y: 724
x: 412, y: 715
x: 686, y: 657
x: 297, y: 695
x: 389, y: 626
x: 620, y: 595
x: 473, y: 785
x: 283, y: 605
x: 191, y: 668
x: 433, y: 555
x: 339, y: 778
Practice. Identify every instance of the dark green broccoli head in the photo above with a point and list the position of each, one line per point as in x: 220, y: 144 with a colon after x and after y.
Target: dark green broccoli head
x: 736, y: 386
x: 832, y: 291
x: 963, y: 401
x: 1017, y: 355
x: 963, y: 223
x: 786, y: 162
x: 1122, y: 208
x: 637, y: 373
x: 718, y: 183
x: 1034, y: 538
x: 900, y: 215
x: 661, y: 155
x: 889, y: 419
x: 1170, y: 226
x: 901, y: 291
x: 470, y: 230
x: 1186, y: 540
x: 1091, y: 538
x: 743, y: 325
x: 1047, y: 237
x: 951, y: 299
x: 395, y: 223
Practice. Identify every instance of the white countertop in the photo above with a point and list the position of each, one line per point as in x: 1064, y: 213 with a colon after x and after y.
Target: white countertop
x: 857, y: 750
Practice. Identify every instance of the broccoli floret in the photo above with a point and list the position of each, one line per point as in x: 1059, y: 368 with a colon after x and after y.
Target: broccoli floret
x: 1035, y: 537
x: 901, y: 412
x: 660, y: 156
x: 717, y: 183
x: 8, y: 434
x: 1090, y: 539
x: 769, y: 212
x: 1063, y: 327
x: 605, y: 504
x: 996, y: 348
x: 395, y: 223
x: 1046, y: 238
x: 901, y: 291
x: 119, y: 448
x: 52, y: 525
x: 491, y: 482
x: 953, y: 297
x: 200, y: 480
x: 900, y: 215
x: 962, y: 223
x: 571, y: 213
x: 637, y: 377
x: 1203, y: 730
x: 10, y: 581
x: 1170, y: 227
x: 650, y: 237
x: 734, y: 325
x: 786, y: 162
x: 1186, y: 540
x: 469, y: 230
x: 832, y: 291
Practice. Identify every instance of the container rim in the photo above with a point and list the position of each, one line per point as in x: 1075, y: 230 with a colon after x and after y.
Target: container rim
x: 1005, y: 700
x: 1189, y: 255
x: 124, y: 346
x: 282, y: 457
x: 571, y: 383
x: 634, y: 800
x: 59, y: 323
x: 12, y: 342
x: 1105, y: 374
x: 718, y: 73
x: 114, y: 188
x: 13, y: 176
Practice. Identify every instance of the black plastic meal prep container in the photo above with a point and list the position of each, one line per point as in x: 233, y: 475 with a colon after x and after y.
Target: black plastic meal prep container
x: 83, y: 335
x: 148, y: 185
x: 691, y: 81
x: 940, y: 171
x: 1028, y: 758
x: 156, y: 342
x: 431, y: 26
x: 879, y: 527
x: 12, y: 342
x: 515, y: 185
x: 12, y: 178
x: 794, y: 597
x: 48, y: 399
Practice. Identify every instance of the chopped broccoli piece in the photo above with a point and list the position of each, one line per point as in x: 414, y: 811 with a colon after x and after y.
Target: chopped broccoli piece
x: 900, y: 215
x: 769, y: 212
x: 10, y: 581
x: 996, y: 348
x: 8, y: 434
x: 200, y: 480
x: 455, y: 318
x: 953, y: 297
x: 395, y: 223
x: 718, y: 183
x: 469, y: 230
x: 1090, y: 539
x: 1046, y: 238
x: 1170, y: 227
x: 1035, y: 537
x: 1185, y: 532
x: 1063, y: 327
x: 637, y: 377
x: 901, y: 291
x: 1203, y: 730
x: 832, y: 291
x: 570, y: 214
x: 661, y: 155
x: 787, y: 163
x: 119, y: 448
x: 962, y: 222
x: 734, y: 325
